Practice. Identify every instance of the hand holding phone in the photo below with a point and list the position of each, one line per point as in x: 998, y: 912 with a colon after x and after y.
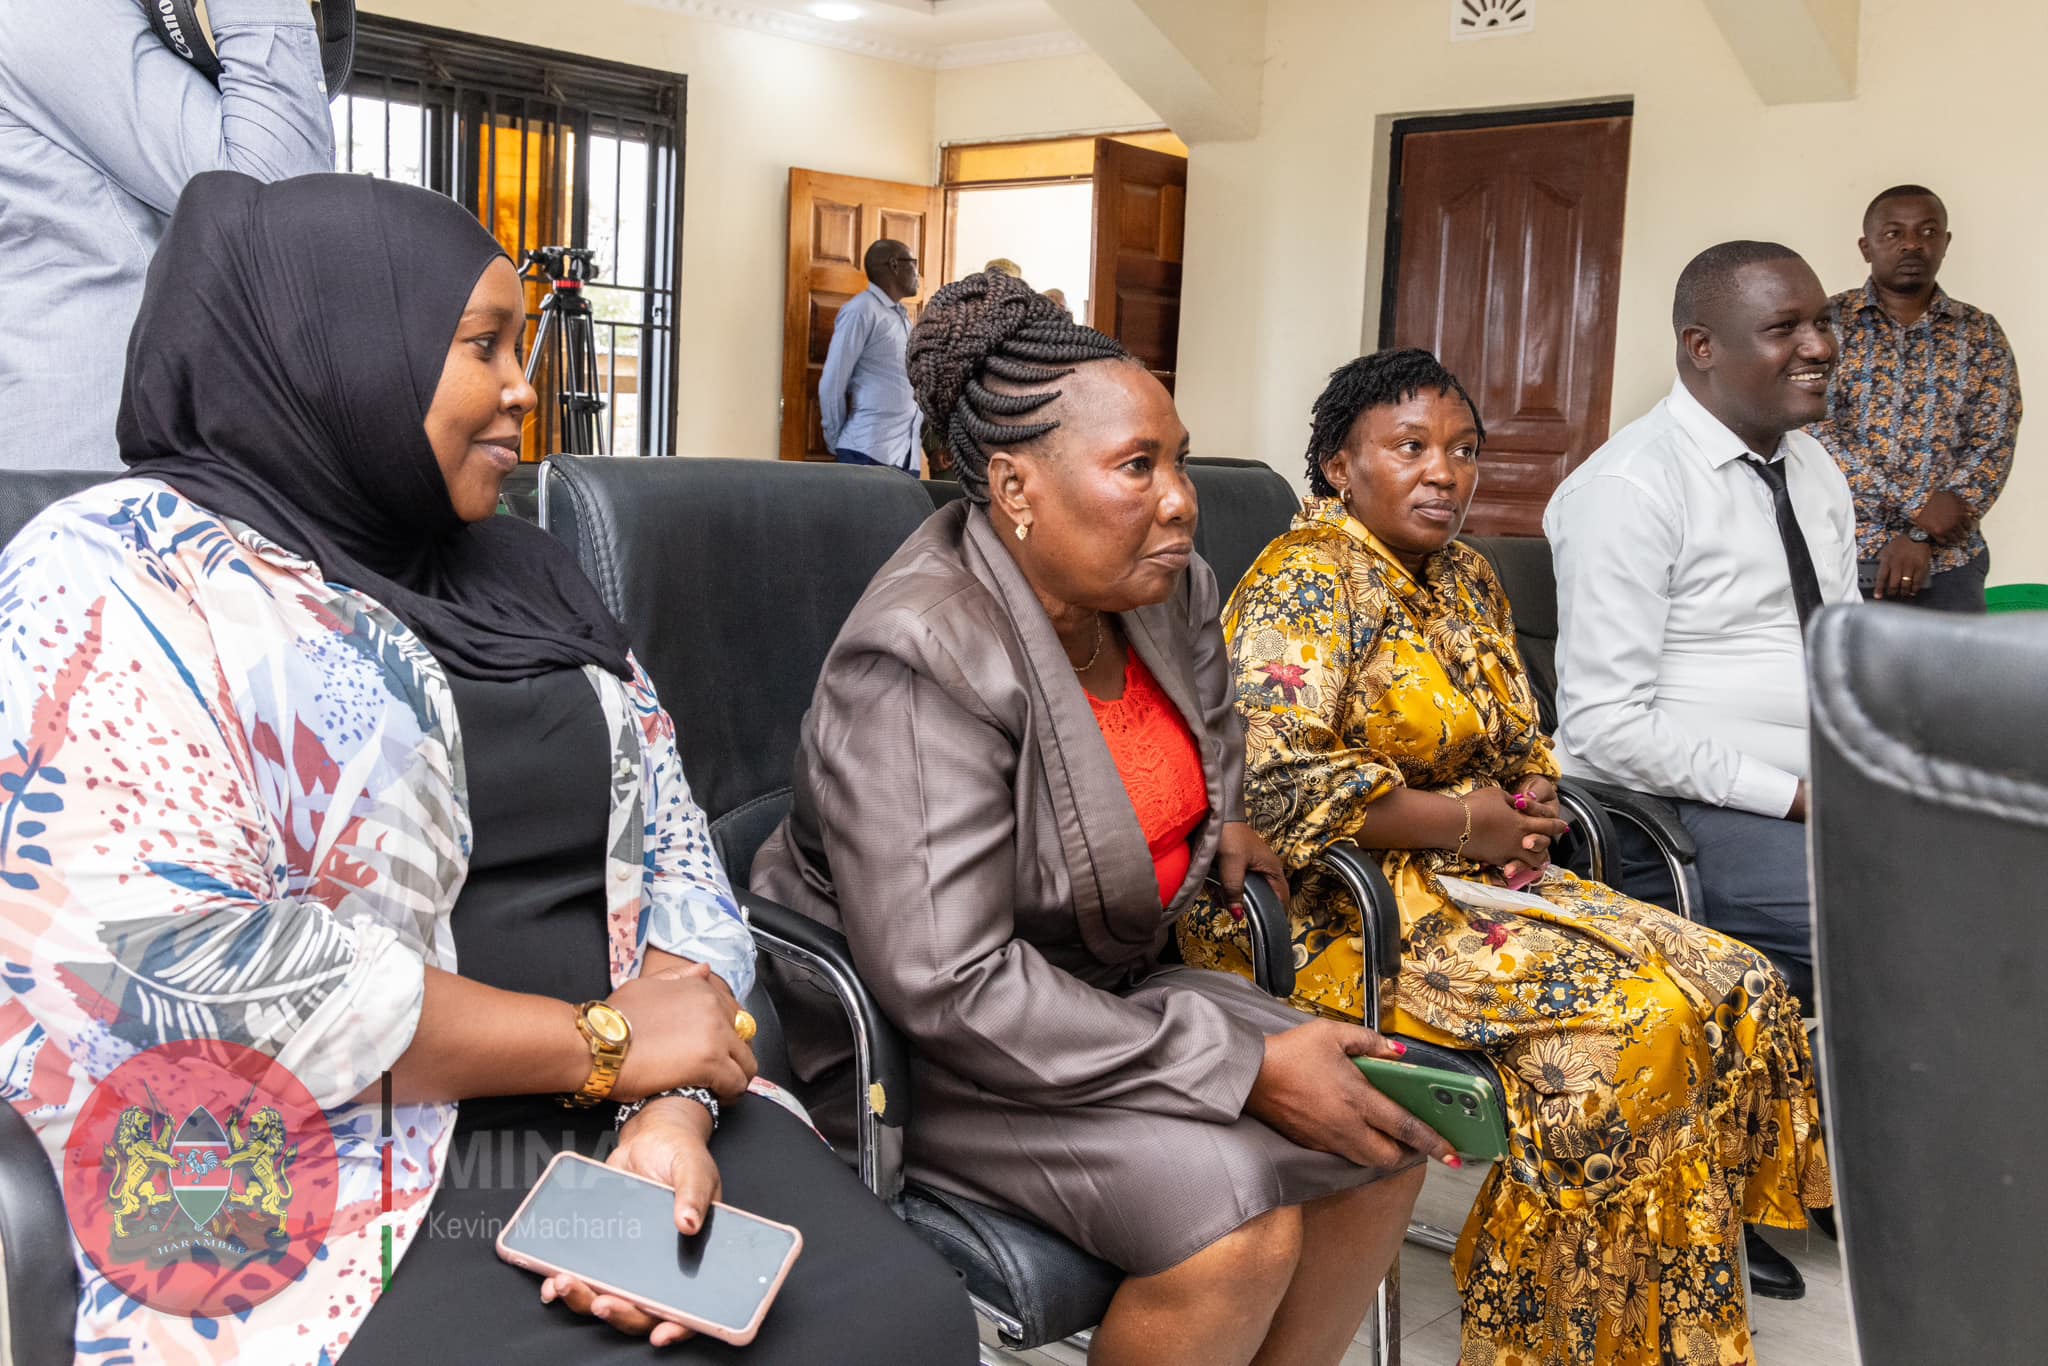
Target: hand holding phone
x: 1465, y: 1110
x: 614, y: 1232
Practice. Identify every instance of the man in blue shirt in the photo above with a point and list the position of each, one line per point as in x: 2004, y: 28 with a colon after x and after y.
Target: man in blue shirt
x: 864, y: 400
x: 101, y: 126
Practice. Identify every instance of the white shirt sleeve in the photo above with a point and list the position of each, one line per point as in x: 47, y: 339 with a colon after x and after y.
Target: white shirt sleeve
x: 1614, y: 544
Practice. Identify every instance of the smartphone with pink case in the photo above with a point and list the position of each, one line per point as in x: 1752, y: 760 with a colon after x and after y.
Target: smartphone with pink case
x: 1518, y: 881
x: 616, y: 1232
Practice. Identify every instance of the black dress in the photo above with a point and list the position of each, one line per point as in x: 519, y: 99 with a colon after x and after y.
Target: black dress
x: 531, y: 918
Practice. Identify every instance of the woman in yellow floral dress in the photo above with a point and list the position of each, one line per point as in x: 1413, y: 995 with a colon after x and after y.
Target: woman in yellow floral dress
x: 1655, y: 1073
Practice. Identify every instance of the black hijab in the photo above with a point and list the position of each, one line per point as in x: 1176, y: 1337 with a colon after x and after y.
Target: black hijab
x: 290, y: 341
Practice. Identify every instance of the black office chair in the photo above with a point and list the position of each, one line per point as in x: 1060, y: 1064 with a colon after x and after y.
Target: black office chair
x: 1523, y: 565
x: 718, y: 566
x: 1929, y: 833
x: 40, y: 1283
x: 1245, y: 504
x: 942, y: 491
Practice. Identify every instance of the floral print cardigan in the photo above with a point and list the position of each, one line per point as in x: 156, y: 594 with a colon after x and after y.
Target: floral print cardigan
x: 234, y: 808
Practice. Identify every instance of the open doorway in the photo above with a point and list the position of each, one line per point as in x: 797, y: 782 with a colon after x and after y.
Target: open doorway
x: 1101, y: 219
x: 1043, y: 229
x: 1039, y: 204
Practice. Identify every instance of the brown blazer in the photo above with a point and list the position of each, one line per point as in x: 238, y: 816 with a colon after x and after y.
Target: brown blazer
x: 958, y: 815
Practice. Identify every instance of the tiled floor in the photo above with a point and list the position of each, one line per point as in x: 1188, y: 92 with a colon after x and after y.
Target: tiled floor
x: 1810, y: 1332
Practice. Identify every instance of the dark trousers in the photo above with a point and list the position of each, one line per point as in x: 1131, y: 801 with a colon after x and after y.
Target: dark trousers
x: 865, y: 1290
x: 1955, y: 590
x: 1752, y: 872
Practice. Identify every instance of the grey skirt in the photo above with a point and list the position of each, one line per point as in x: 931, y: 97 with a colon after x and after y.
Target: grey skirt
x: 1142, y: 1191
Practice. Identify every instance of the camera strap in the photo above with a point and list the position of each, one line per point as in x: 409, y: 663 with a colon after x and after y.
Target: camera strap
x: 178, y: 25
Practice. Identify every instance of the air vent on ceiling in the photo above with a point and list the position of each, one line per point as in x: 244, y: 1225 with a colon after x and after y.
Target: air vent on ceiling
x: 1491, y: 18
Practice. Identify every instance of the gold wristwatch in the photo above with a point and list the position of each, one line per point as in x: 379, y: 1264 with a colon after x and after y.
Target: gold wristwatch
x: 609, y: 1035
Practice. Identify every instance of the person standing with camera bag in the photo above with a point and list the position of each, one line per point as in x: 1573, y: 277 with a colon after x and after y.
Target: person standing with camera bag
x: 101, y: 126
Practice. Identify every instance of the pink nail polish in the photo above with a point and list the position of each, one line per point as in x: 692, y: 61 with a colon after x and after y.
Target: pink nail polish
x: 1401, y: 1049
x: 1455, y: 1161
x: 1237, y: 912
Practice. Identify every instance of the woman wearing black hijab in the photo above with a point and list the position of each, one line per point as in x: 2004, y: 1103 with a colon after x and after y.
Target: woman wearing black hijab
x: 331, y: 765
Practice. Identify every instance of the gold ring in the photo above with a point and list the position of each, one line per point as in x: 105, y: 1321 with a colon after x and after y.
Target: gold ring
x: 1905, y: 578
x: 744, y: 1023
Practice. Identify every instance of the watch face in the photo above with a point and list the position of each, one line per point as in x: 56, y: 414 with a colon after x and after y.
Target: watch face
x: 607, y: 1023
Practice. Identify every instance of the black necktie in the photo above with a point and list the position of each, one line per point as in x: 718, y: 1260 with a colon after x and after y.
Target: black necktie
x: 1805, y: 583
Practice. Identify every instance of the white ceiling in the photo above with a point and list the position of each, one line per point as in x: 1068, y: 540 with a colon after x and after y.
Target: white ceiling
x: 928, y: 33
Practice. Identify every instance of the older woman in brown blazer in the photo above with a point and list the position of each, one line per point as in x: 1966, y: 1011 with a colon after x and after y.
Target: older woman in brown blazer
x: 979, y: 808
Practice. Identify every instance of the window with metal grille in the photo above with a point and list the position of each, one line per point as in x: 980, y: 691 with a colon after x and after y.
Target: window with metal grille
x: 547, y: 149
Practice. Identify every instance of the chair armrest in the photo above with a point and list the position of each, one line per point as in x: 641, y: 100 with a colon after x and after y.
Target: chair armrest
x: 1379, y: 919
x: 1271, y: 933
x: 1656, y: 817
x: 881, y: 1057
x: 1591, y: 830
x: 35, y: 1249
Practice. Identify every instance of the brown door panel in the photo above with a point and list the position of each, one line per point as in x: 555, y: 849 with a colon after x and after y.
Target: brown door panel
x: 1140, y: 233
x: 833, y: 219
x: 1510, y: 257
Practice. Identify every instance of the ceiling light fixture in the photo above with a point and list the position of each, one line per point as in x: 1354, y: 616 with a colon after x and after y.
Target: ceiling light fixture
x: 837, y: 13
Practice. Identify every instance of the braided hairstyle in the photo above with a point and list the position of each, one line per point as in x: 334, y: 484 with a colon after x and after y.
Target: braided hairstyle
x: 993, y: 326
x: 1380, y: 380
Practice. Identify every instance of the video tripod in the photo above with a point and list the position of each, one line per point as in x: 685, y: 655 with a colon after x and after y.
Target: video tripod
x: 565, y: 319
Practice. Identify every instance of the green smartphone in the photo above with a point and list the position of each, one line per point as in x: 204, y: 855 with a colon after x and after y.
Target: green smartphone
x: 1464, y: 1109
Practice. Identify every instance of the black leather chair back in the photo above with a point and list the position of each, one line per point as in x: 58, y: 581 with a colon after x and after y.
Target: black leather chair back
x: 942, y: 491
x: 733, y: 578
x: 1244, y: 506
x: 1929, y: 840
x: 24, y: 493
x: 1522, y: 564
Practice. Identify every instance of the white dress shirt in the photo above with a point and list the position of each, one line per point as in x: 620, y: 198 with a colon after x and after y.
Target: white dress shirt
x: 1681, y: 668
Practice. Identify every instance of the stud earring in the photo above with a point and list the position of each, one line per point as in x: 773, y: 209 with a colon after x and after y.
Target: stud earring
x: 1023, y: 530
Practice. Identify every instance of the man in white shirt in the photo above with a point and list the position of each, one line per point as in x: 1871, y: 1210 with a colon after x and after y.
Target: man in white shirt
x: 1689, y: 550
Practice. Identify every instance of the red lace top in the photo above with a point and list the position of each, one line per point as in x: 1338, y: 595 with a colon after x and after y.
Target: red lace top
x: 1156, y: 757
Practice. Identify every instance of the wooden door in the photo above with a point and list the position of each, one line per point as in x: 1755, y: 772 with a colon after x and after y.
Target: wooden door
x: 1509, y: 270
x: 833, y: 219
x: 1141, y: 199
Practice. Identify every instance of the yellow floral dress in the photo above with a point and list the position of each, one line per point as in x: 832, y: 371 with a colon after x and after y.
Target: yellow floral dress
x: 1655, y: 1073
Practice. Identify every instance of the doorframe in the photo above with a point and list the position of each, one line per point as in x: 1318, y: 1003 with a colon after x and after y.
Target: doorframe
x: 1401, y: 128
x: 948, y: 185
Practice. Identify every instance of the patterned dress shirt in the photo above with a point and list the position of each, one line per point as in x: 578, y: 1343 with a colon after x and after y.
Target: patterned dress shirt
x: 1917, y: 410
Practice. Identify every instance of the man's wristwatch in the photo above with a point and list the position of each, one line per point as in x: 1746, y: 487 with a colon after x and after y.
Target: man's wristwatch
x: 605, y: 1029
x: 1917, y: 534
x: 696, y: 1093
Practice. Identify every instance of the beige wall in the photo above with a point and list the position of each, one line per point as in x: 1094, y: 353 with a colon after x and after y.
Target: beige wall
x: 1077, y: 94
x: 757, y: 106
x: 1284, y: 232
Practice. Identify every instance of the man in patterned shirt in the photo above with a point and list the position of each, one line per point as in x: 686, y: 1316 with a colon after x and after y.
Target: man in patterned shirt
x: 1922, y: 414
